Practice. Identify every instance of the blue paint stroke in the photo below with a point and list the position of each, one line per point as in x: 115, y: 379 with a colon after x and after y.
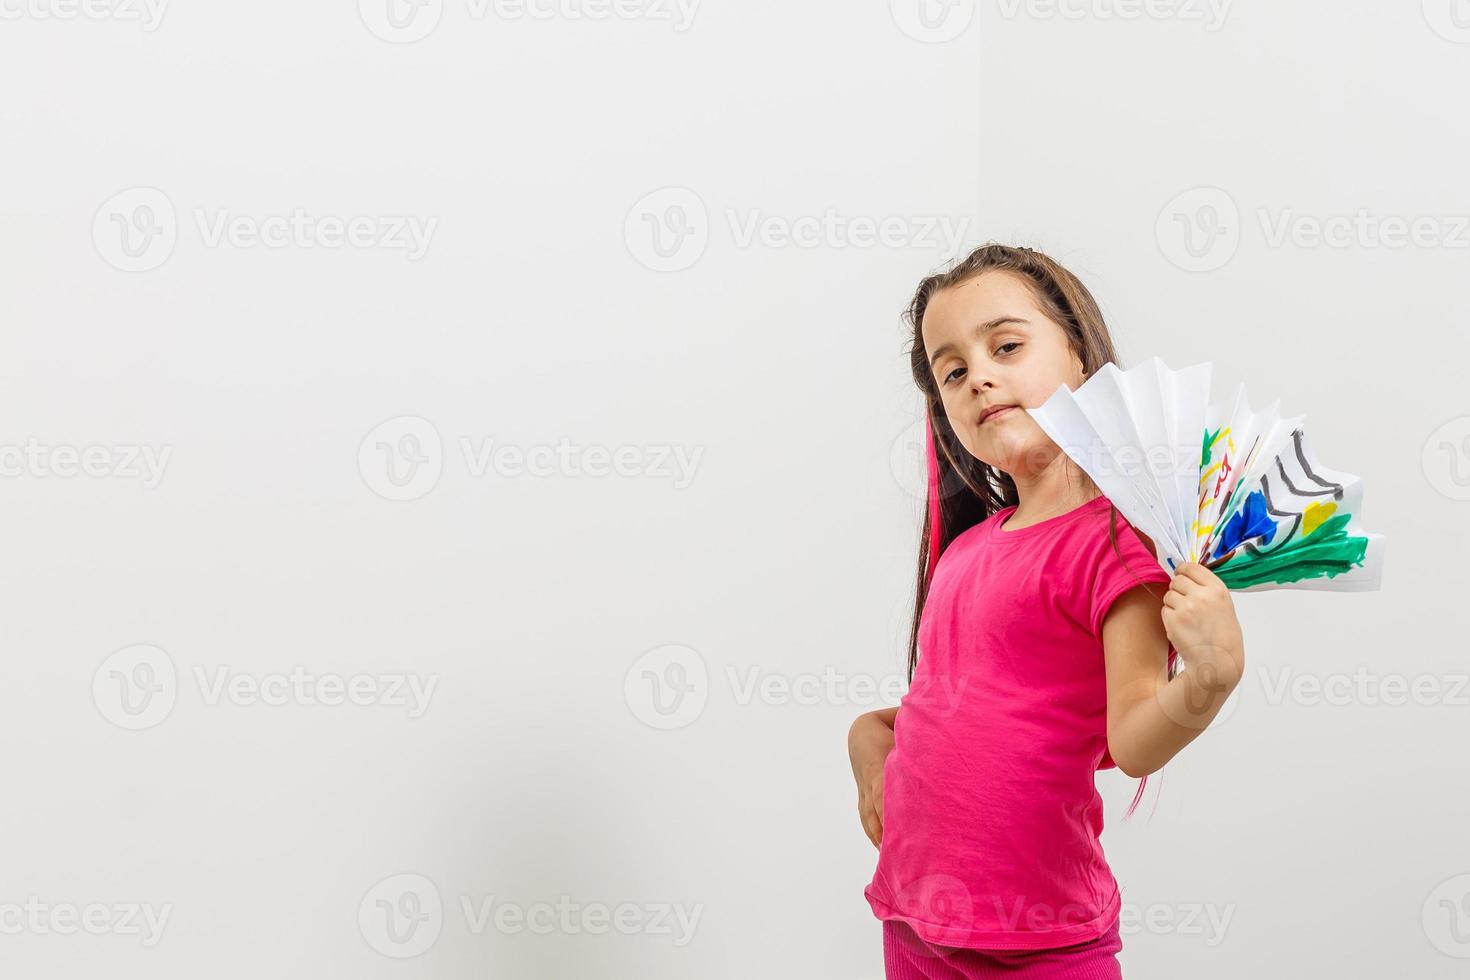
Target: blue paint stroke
x: 1250, y: 522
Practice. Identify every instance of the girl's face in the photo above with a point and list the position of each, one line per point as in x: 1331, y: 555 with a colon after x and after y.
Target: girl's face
x: 989, y: 346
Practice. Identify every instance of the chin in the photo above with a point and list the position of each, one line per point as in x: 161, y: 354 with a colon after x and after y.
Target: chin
x: 1013, y: 455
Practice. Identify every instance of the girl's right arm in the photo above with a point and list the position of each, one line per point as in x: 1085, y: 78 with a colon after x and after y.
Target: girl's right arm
x: 869, y: 741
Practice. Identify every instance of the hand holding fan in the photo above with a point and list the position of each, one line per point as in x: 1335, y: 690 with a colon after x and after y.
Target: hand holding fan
x: 1224, y: 485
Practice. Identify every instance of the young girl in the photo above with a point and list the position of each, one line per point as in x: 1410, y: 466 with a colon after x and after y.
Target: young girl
x: 1048, y: 647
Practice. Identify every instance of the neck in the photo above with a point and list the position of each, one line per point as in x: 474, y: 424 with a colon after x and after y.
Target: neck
x: 1054, y: 489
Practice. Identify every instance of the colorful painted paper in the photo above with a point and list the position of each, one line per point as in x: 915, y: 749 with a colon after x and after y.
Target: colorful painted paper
x: 1235, y: 489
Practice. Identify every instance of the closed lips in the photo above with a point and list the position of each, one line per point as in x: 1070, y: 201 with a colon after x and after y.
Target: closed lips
x: 991, y: 413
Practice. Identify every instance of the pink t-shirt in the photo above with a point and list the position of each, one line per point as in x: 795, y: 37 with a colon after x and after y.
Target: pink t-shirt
x: 991, y: 819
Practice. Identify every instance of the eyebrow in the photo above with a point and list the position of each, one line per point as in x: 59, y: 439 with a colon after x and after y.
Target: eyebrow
x: 980, y: 331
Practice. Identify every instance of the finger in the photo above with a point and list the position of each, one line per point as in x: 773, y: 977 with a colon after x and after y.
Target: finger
x: 1206, y: 573
x: 1196, y: 573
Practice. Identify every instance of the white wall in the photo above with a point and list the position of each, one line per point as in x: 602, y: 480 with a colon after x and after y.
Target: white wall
x: 765, y: 519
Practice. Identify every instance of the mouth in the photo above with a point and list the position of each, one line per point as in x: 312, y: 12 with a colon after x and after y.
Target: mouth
x: 996, y: 411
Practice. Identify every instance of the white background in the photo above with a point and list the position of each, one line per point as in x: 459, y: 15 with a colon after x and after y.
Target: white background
x: 290, y: 384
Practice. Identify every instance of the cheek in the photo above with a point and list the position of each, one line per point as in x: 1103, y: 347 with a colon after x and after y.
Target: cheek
x: 955, y: 408
x: 1032, y: 396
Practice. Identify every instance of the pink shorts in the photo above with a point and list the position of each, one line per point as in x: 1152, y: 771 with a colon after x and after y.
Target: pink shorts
x: 906, y: 956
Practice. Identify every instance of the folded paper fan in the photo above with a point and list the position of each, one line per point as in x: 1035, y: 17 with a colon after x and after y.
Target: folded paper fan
x: 1234, y: 489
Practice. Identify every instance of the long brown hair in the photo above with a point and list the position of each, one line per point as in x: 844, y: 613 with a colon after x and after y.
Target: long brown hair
x: 969, y: 490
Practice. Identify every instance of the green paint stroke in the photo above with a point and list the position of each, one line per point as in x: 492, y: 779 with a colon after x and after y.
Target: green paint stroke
x: 1327, y: 552
x: 1210, y: 440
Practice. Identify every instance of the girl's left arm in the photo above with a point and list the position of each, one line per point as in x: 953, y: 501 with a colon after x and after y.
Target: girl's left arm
x: 1150, y: 718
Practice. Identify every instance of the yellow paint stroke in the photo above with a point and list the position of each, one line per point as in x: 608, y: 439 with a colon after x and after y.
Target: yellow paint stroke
x: 1315, y: 515
x: 1207, y: 496
x: 1205, y: 476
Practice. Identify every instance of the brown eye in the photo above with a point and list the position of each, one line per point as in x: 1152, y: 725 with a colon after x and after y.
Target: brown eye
x: 1004, y: 346
x: 951, y: 375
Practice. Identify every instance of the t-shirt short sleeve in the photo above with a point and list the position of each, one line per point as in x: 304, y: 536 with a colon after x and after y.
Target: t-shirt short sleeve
x: 1115, y: 575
